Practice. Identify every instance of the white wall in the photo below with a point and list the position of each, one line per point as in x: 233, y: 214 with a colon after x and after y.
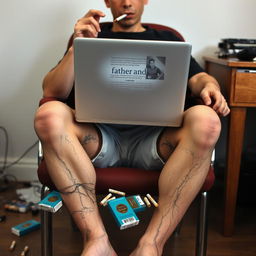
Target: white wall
x: 34, y: 36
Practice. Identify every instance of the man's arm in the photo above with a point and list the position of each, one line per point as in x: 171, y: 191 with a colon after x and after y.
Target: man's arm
x: 207, y: 88
x: 59, y: 81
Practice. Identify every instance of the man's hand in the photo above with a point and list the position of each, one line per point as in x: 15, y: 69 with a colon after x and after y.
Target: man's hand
x: 88, y: 26
x: 212, y: 96
x: 207, y: 88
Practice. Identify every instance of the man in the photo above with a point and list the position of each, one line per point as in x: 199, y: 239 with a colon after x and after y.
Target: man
x: 72, y: 149
x: 152, y: 71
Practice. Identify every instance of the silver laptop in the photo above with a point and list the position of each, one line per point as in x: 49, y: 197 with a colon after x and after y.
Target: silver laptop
x: 137, y: 82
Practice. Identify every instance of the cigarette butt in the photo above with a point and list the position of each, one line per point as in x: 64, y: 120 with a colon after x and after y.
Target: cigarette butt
x: 147, y: 202
x: 12, y: 246
x: 104, y: 200
x: 120, y: 18
x: 116, y: 192
x: 25, y: 250
x: 112, y: 198
x: 152, y: 200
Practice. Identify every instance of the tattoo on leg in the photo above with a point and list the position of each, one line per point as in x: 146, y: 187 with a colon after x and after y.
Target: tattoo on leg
x: 84, y: 190
x: 65, y: 138
x: 89, y: 138
x: 197, y: 162
x: 169, y: 146
x: 66, y: 168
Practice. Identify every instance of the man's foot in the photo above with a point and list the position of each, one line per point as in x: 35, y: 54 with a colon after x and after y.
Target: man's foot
x: 146, y: 250
x: 98, y: 247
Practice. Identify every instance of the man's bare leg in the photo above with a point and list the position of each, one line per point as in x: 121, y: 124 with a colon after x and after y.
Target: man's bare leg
x: 64, y: 144
x: 188, y: 151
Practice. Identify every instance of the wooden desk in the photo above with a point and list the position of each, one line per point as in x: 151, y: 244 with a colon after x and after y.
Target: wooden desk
x: 239, y: 89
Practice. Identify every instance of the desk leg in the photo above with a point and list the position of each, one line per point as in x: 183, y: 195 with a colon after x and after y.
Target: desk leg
x: 235, y: 145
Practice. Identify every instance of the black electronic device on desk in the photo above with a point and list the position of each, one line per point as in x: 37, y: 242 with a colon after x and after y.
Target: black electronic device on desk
x: 243, y: 49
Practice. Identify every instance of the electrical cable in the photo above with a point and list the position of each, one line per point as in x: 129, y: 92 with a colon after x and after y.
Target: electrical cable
x: 6, y: 148
x: 5, y: 165
x: 16, y: 161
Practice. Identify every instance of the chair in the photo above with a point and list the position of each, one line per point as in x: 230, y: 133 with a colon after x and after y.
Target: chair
x: 131, y: 180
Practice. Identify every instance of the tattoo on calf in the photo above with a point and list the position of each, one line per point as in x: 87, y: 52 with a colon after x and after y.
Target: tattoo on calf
x: 85, y: 191
x: 89, y: 138
x: 197, y: 162
x: 168, y: 145
x: 65, y: 138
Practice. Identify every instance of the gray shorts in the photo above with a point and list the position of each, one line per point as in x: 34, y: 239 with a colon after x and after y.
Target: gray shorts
x: 129, y: 146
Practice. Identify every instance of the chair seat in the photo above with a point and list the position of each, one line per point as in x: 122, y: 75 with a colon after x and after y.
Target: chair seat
x: 130, y: 180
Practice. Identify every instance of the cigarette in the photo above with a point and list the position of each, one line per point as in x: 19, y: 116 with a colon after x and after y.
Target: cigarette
x: 147, y: 202
x: 120, y: 17
x: 116, y: 192
x: 12, y: 246
x: 104, y: 200
x: 152, y: 200
x: 25, y: 250
x: 112, y: 198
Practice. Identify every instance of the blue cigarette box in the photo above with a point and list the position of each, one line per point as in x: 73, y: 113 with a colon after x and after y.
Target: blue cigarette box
x: 52, y: 202
x: 25, y: 227
x: 136, y: 203
x: 123, y: 213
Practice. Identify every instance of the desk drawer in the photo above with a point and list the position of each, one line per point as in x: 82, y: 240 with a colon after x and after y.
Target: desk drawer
x: 245, y: 87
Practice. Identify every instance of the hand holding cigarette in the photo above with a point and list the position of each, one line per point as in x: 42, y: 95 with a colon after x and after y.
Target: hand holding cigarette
x: 88, y: 26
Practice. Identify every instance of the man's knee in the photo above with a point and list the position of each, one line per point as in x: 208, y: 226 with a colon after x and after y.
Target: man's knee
x: 203, y: 124
x: 49, y: 120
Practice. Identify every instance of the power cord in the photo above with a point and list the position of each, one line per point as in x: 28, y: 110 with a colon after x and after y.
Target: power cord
x: 8, y: 177
x: 6, y: 147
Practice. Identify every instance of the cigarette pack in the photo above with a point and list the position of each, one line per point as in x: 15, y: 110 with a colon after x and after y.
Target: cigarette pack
x: 16, y: 206
x: 123, y: 213
x: 136, y: 203
x: 52, y: 202
x: 25, y: 227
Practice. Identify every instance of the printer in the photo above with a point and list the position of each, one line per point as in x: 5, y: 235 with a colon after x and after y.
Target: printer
x: 243, y: 49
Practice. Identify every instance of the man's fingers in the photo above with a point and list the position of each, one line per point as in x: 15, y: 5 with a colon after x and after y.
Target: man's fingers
x: 221, y: 107
x: 206, y: 98
x: 94, y: 16
x: 94, y: 13
x: 89, y: 26
x: 216, y: 100
x: 86, y: 31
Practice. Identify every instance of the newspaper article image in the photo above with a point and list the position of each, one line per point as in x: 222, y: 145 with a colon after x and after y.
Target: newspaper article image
x: 142, y: 72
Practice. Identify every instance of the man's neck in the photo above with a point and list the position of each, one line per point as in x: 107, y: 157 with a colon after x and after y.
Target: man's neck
x: 135, y: 28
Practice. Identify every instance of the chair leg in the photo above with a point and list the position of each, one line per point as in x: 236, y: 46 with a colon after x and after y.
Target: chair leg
x: 46, y: 229
x: 201, y: 236
x: 178, y: 228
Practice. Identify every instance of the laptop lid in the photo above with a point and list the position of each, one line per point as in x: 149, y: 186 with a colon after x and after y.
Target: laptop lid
x: 137, y: 82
